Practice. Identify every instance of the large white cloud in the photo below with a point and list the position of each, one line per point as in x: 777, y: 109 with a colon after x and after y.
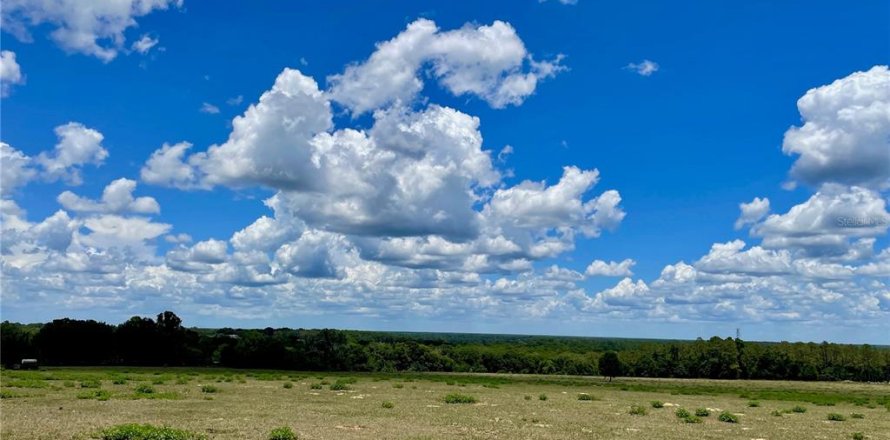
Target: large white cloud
x: 844, y: 137
x: 95, y: 29
x: 486, y: 61
x: 10, y: 72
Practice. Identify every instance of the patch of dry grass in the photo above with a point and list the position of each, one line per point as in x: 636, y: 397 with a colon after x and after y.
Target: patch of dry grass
x: 255, y: 403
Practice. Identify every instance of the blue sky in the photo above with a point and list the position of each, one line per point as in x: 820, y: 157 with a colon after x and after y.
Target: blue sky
x: 393, y: 200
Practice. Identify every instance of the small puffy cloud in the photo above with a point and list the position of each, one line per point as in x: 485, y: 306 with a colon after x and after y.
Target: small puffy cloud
x: 144, y: 44
x: 610, y: 269
x: 10, y: 72
x: 488, y: 61
x: 97, y: 30
x: 209, y: 108
x: 77, y: 146
x: 165, y: 167
x: 116, y: 198
x: 643, y: 68
x: 844, y: 137
x: 729, y: 258
x: 752, y: 212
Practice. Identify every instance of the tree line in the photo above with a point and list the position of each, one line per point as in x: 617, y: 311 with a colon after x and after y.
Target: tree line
x: 164, y: 341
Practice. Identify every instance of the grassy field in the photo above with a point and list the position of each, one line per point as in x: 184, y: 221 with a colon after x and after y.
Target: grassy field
x: 61, y: 403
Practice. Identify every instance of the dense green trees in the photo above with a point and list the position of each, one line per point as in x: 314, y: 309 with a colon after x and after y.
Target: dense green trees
x: 164, y: 341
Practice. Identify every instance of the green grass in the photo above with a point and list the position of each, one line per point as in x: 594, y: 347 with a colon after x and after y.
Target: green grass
x: 339, y: 386
x: 728, y: 417
x: 145, y: 432
x: 144, y: 389
x: 657, y: 404
x: 753, y: 404
x: 835, y: 417
x: 101, y: 395
x: 90, y: 384
x: 637, y: 410
x: 857, y: 416
x: 459, y: 398
x: 282, y: 433
x: 209, y: 389
x: 6, y: 394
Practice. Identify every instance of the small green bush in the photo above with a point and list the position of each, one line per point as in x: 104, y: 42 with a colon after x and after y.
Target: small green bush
x: 657, y: 404
x: 102, y: 395
x: 637, y: 410
x: 753, y: 404
x: 692, y: 419
x: 68, y: 384
x: 858, y: 436
x: 682, y: 413
x: 210, y: 389
x: 339, y: 386
x: 146, y: 432
x: 145, y: 389
x: 459, y: 398
x: 527, y: 397
x: 728, y: 417
x: 282, y: 433
x: 542, y: 396
x: 90, y: 384
x: 6, y: 394
x: 857, y: 416
x: 799, y: 409
x: 835, y: 417
x: 585, y: 396
x: 315, y: 386
x: 387, y: 404
x: 776, y: 413
x: 398, y: 385
x: 119, y: 381
x: 288, y: 385
x: 702, y: 412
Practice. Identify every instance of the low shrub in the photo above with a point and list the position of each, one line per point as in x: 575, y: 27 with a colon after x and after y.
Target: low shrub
x: 6, y: 394
x: 315, y: 386
x: 387, y: 404
x: 459, y: 398
x: 101, y: 395
x: 398, y: 385
x: 542, y: 396
x: 288, y: 385
x: 753, y: 404
x: 857, y: 416
x: 857, y: 436
x: 209, y: 389
x: 282, y: 433
x: 339, y: 386
x: 637, y: 410
x: 119, y: 382
x: 776, y: 413
x: 90, y: 384
x: 835, y: 417
x: 145, y: 432
x: 728, y: 417
x: 527, y: 397
x: 799, y: 409
x: 692, y: 419
x: 657, y: 404
x: 682, y: 413
x: 702, y: 412
x: 585, y: 397
x: 145, y: 389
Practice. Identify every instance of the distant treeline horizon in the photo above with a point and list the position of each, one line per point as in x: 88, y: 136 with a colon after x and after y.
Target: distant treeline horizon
x: 164, y: 341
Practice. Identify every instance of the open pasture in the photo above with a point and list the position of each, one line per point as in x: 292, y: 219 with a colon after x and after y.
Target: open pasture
x: 77, y: 403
